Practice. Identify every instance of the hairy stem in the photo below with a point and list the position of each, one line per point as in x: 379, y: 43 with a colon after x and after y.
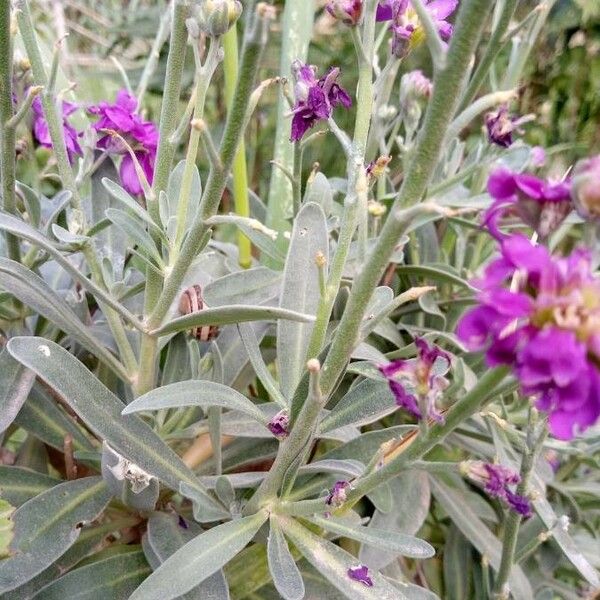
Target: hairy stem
x: 448, y: 83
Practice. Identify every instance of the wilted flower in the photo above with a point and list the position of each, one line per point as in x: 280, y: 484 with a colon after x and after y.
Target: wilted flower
x: 541, y: 315
x: 347, y: 11
x: 376, y: 168
x: 360, y: 573
x: 191, y: 301
x: 122, y: 117
x: 543, y: 205
x: 278, y: 425
x: 315, y: 98
x: 337, y: 494
x: 497, y: 482
x: 42, y: 134
x: 501, y: 125
x: 406, y: 28
x: 415, y: 383
x: 586, y: 187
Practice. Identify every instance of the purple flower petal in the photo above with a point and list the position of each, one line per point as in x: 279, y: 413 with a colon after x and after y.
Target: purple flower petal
x: 360, y: 573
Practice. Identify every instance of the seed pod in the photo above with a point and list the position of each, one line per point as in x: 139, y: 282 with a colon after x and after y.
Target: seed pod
x: 191, y: 301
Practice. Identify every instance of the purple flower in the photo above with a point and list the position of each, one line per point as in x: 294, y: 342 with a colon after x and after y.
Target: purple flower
x: 141, y: 135
x: 497, y: 481
x: 315, y: 98
x: 586, y: 187
x: 337, y: 494
x: 501, y: 126
x: 42, y: 133
x: 360, y: 573
x: 543, y: 205
x: 406, y: 28
x: 347, y: 11
x: 416, y: 383
x: 278, y: 425
x: 541, y: 315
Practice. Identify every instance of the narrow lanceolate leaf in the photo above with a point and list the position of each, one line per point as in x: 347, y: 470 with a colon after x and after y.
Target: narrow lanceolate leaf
x: 6, y: 527
x: 301, y: 291
x: 166, y: 533
x: 199, y: 559
x: 101, y: 410
x: 111, y: 577
x: 251, y: 286
x: 17, y: 484
x: 333, y: 563
x: 405, y: 545
x: 477, y: 532
x: 15, y: 383
x: 195, y: 393
x: 48, y: 525
x: 365, y: 403
x: 286, y: 575
x: 34, y: 292
x: 227, y: 315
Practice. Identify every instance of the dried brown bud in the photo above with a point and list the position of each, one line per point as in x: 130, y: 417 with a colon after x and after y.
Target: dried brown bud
x: 191, y: 301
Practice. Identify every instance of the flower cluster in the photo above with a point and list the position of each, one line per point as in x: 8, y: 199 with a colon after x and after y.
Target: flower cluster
x: 497, y: 482
x: 416, y: 384
x: 315, y: 98
x: 142, y: 136
x: 540, y: 314
x: 407, y: 31
x: 543, y: 205
x: 42, y: 133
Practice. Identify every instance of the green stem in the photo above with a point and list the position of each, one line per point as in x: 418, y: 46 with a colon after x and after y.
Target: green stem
x: 448, y: 83
x: 7, y: 131
x: 491, y: 52
x: 512, y: 520
x: 217, y: 179
x: 293, y: 446
x: 239, y: 168
x: 164, y: 159
x: 204, y: 76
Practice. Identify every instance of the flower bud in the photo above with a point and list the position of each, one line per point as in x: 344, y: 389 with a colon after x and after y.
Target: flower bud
x: 585, y: 190
x: 191, y: 301
x: 215, y: 17
x: 348, y: 12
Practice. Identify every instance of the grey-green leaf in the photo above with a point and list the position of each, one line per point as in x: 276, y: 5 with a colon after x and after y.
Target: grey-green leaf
x: 48, y: 525
x: 111, y: 577
x: 226, y: 315
x: 365, y: 403
x: 333, y: 563
x: 15, y: 383
x: 400, y: 543
x: 284, y: 571
x: 301, y: 292
x: 167, y: 533
x: 199, y: 559
x: 195, y: 393
x: 100, y: 409
x: 18, y: 484
x: 251, y: 286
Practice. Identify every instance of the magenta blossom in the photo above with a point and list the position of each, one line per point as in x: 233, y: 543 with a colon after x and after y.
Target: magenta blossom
x: 315, y: 98
x: 347, y: 11
x: 543, y: 205
x: 405, y: 25
x: 279, y: 424
x: 360, y: 573
x: 541, y: 315
x: 497, y: 481
x: 42, y: 133
x: 416, y: 384
x: 123, y: 118
x: 337, y: 494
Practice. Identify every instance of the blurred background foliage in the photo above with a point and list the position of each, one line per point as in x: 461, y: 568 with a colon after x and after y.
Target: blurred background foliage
x: 110, y: 38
